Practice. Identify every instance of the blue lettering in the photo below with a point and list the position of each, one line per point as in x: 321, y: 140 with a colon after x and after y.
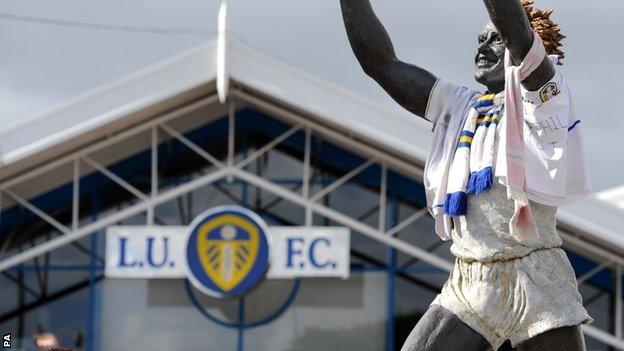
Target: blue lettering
x: 291, y: 251
x: 150, y: 254
x: 122, y: 254
x: 311, y: 253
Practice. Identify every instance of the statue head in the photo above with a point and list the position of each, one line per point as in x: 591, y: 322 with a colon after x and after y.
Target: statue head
x: 490, y: 57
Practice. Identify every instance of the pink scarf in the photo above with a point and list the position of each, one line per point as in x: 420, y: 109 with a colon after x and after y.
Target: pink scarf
x: 522, y: 226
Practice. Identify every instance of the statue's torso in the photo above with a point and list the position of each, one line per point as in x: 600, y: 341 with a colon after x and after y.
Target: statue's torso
x: 483, y: 234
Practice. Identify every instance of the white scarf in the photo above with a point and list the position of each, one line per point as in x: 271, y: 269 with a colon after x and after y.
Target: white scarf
x: 454, y: 171
x: 472, y: 167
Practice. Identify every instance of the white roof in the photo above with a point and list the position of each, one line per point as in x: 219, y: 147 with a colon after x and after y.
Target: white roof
x: 106, y: 104
x: 614, y: 196
x: 92, y: 115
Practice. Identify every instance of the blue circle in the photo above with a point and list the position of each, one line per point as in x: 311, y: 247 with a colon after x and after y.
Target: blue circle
x: 196, y: 272
x: 242, y: 324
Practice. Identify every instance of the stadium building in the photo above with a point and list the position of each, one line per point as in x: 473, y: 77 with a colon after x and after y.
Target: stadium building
x: 225, y: 124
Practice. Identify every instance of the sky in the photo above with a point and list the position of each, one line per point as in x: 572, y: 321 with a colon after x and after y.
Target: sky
x: 42, y: 64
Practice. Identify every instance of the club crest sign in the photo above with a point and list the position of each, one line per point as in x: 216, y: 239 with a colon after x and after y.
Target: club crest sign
x: 227, y: 251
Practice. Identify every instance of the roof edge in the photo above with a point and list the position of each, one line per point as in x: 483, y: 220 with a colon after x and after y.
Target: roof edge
x: 110, y: 86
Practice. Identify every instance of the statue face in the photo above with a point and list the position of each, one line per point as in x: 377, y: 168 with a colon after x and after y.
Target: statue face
x: 490, y: 59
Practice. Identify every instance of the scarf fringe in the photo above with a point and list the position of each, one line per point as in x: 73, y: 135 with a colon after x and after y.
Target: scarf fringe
x: 472, y: 186
x: 481, y: 181
x: 456, y: 204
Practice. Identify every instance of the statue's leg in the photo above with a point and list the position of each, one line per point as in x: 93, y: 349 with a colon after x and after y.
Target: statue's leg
x: 441, y: 330
x: 560, y: 339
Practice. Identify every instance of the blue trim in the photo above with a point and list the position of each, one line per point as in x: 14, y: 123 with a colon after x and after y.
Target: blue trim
x: 493, y: 112
x: 487, y: 124
x: 463, y: 144
x: 574, y: 125
x: 271, y: 318
x: 482, y: 104
x: 466, y: 133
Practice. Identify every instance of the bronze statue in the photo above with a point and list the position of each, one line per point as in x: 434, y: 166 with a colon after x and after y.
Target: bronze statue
x: 522, y: 305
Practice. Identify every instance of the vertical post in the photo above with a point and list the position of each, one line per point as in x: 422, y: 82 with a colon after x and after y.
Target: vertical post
x: 618, y: 301
x: 46, y: 271
x: 382, y: 197
x: 241, y: 323
x: 391, y: 269
x: 154, y: 173
x: 22, y: 301
x: 1, y: 246
x: 244, y: 185
x: 92, y: 267
x: 189, y: 207
x: 231, y: 136
x: 306, y: 175
x: 241, y: 301
x: 6, y: 240
x: 244, y: 193
x: 258, y: 197
x: 76, y: 195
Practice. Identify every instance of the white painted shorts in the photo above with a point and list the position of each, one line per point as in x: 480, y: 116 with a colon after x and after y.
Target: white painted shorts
x: 515, y: 299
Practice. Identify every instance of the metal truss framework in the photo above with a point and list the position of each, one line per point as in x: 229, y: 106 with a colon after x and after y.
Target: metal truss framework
x: 235, y: 170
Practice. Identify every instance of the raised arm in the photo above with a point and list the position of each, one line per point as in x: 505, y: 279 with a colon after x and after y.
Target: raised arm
x: 512, y: 23
x: 408, y: 85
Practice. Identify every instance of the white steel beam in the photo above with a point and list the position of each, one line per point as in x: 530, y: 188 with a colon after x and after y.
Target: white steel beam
x: 273, y: 143
x: 354, y: 224
x: 603, y: 336
x: 593, y: 272
x: 104, y: 222
x: 53, y: 222
x: 281, y: 113
x: 191, y: 145
x: 409, y: 220
x: 136, y: 192
x: 584, y: 247
x: 345, y: 178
